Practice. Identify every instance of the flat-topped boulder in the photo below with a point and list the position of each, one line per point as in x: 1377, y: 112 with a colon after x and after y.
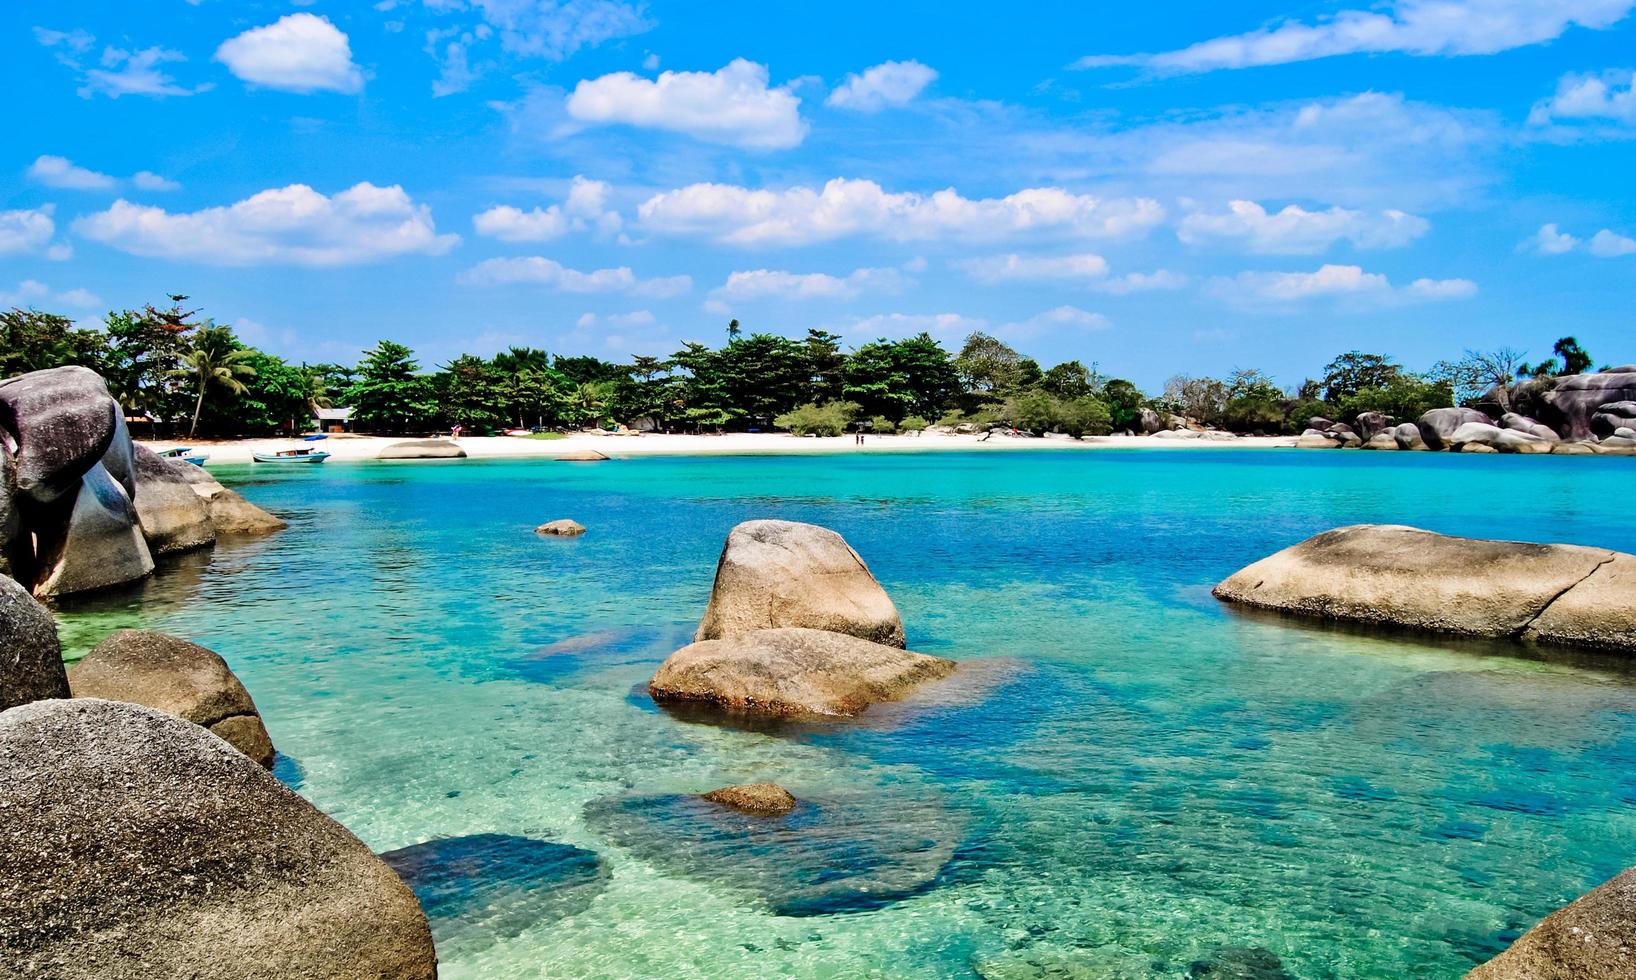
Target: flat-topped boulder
x: 561, y: 528
x: 63, y: 422
x: 755, y: 799
x: 1594, y: 937
x: 775, y: 574
x: 422, y: 449
x: 1389, y: 575
x: 173, y: 518
x: 170, y: 674
x: 792, y: 672
x: 30, y: 657
x: 137, y: 846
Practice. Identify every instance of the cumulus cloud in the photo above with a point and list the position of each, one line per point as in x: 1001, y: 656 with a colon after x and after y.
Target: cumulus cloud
x: 539, y: 271
x: 54, y: 171
x: 118, y: 71
x: 763, y: 284
x: 33, y: 294
x: 1141, y: 282
x: 296, y: 53
x: 1055, y: 321
x: 1346, y: 287
x: 292, y: 225
x: 1035, y: 268
x: 552, y: 29
x: 1607, y: 244
x: 1297, y: 231
x: 891, y: 83
x: 636, y: 318
x: 1606, y: 97
x: 1417, y: 27
x: 26, y: 231
x: 733, y: 106
x: 584, y: 209
x: 862, y: 208
x: 1550, y: 240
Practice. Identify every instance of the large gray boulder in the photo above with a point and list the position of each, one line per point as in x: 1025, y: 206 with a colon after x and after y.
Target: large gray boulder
x: 1388, y: 575
x: 62, y: 422
x: 422, y: 449
x: 792, y: 673
x: 139, y: 847
x: 174, y: 519
x: 1594, y: 938
x: 1409, y: 438
x: 99, y: 544
x: 16, y: 549
x: 1528, y: 427
x: 1571, y: 401
x: 781, y: 573
x: 229, y: 512
x: 1440, y: 423
x: 30, y: 658
x: 179, y: 678
x: 1371, y: 424
x: 1148, y: 421
x: 1481, y: 433
x: 1610, y: 418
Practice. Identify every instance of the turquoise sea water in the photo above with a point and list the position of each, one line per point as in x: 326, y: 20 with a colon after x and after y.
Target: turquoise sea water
x: 1127, y: 779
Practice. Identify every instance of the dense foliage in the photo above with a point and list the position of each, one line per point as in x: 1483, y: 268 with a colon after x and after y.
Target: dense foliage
x: 180, y: 372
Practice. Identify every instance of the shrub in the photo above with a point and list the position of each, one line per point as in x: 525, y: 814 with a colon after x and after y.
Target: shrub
x: 913, y: 423
x: 1087, y: 416
x: 828, y: 419
x: 882, y: 425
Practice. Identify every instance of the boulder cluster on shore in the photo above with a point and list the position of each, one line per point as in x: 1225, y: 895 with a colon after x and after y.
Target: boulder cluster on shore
x: 1577, y: 414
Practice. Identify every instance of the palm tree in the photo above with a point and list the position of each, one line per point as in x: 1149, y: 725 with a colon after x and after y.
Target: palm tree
x: 214, y: 358
x: 589, y: 398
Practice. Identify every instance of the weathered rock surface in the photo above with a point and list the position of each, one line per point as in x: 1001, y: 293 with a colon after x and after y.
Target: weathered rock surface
x: 30, y: 658
x: 1313, y: 439
x: 1438, y: 424
x: 781, y: 573
x: 179, y: 678
x: 1474, y: 435
x: 229, y: 512
x: 1148, y: 421
x: 1371, y: 424
x: 174, y: 519
x: 1591, y: 939
x: 63, y: 421
x: 561, y: 528
x: 1409, y: 438
x: 422, y: 449
x: 1529, y: 427
x: 15, y: 552
x: 1610, y: 418
x: 1391, y: 575
x: 139, y: 847
x: 756, y: 799
x: 1599, y: 612
x: 1382, y: 441
x: 99, y: 544
x: 1571, y: 401
x: 792, y: 673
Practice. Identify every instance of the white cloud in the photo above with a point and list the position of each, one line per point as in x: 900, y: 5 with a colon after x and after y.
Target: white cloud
x: 1297, y: 231
x: 945, y: 326
x: 292, y: 225
x: 1056, y: 321
x: 764, y: 284
x: 33, y: 294
x: 1418, y: 27
x: 552, y: 29
x: 1550, y: 240
x: 54, y: 171
x: 1609, y: 96
x: 892, y: 83
x: 637, y: 318
x: 1142, y: 282
x: 733, y: 106
x: 539, y: 271
x: 584, y: 209
x: 297, y: 53
x: 1035, y: 268
x: 120, y: 72
x: 1607, y: 244
x: 26, y: 231
x: 846, y: 208
x: 1347, y: 287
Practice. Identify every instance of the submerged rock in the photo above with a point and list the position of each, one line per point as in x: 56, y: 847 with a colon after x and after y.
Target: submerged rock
x: 792, y: 672
x: 179, y: 678
x: 756, y: 799
x: 97, y: 544
x: 1240, y: 963
x: 137, y: 846
x: 1594, y: 937
x: 562, y: 528
x: 31, y: 666
x: 174, y: 519
x: 1402, y: 576
x: 776, y: 574
x: 581, y: 456
x: 422, y: 449
x: 484, y: 888
x: 830, y: 855
x: 63, y: 422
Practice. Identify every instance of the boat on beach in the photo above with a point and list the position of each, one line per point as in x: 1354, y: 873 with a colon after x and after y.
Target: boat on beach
x: 193, y: 456
x: 292, y: 456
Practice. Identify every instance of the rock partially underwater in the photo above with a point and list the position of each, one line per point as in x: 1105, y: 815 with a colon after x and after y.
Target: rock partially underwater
x: 1591, y: 939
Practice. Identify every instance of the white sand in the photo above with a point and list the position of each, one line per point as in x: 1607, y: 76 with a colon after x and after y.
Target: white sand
x: 348, y: 448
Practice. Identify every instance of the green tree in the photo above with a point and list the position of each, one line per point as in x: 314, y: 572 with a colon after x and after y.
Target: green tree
x: 1084, y: 416
x: 473, y: 393
x: 830, y: 419
x: 988, y: 366
x: 1125, y: 402
x: 1069, y: 380
x: 1354, y: 371
x: 143, y: 354
x: 214, y: 359
x: 389, y: 394
x: 34, y: 341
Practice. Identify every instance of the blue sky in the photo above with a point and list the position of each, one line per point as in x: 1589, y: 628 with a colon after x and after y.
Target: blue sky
x: 1161, y: 188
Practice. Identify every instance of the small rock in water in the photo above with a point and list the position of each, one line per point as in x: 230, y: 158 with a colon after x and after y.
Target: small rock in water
x: 757, y: 799
x: 563, y: 528
x: 1240, y: 963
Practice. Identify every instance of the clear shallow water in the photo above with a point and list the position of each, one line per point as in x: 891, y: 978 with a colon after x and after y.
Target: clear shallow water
x: 1131, y: 780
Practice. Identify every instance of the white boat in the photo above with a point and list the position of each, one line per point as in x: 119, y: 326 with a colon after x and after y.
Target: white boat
x: 193, y: 456
x: 292, y: 456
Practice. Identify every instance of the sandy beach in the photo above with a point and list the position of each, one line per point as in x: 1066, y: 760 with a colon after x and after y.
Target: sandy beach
x: 354, y: 448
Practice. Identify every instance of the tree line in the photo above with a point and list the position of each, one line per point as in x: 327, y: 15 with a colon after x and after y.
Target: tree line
x: 190, y: 375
